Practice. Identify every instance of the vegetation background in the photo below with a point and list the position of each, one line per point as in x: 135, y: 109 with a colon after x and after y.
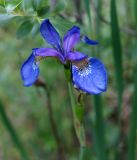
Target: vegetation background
x: 29, y: 127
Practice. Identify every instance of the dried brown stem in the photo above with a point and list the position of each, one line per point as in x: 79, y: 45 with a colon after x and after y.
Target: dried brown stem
x: 61, y: 153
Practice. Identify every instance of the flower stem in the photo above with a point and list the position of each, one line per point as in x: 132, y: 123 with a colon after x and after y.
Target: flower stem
x: 79, y: 128
x: 81, y: 156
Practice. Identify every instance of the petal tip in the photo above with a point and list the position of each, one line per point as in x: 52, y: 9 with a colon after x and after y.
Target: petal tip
x: 88, y: 41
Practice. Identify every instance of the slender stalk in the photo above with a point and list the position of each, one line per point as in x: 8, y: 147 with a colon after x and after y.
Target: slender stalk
x: 13, y: 134
x: 81, y: 155
x: 61, y: 154
x: 79, y: 128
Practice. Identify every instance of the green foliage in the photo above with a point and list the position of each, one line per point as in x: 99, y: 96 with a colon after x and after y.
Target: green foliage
x: 24, y: 29
x: 6, y: 18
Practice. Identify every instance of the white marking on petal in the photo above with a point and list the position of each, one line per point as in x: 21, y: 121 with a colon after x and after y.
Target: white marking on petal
x: 85, y: 71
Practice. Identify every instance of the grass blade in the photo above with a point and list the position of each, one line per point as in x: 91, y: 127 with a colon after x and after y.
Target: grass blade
x: 117, y: 52
x: 133, y: 124
x: 117, y: 55
x: 87, y: 8
x: 99, y: 129
x: 135, y: 10
x: 12, y: 133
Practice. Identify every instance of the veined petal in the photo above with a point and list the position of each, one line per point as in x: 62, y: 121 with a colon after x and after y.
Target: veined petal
x: 48, y: 52
x: 29, y: 71
x: 86, y: 40
x: 50, y: 34
x: 71, y: 38
x: 90, y: 78
x: 75, y: 56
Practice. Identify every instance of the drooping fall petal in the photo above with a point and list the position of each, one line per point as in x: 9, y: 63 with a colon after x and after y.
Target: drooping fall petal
x: 90, y: 78
x: 29, y: 71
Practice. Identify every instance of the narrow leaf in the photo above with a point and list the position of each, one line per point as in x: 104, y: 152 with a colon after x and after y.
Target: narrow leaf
x: 135, y: 10
x: 117, y: 52
x: 87, y: 8
x: 6, y: 122
x: 99, y: 129
x: 133, y: 124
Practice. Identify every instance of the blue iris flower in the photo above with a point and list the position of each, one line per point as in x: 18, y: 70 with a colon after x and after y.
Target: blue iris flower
x: 88, y: 74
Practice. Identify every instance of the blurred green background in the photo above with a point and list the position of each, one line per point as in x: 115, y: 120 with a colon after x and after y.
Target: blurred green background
x: 110, y: 120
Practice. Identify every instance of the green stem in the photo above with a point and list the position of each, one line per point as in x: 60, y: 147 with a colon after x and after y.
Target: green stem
x: 79, y: 128
x: 13, y: 133
x: 82, y: 151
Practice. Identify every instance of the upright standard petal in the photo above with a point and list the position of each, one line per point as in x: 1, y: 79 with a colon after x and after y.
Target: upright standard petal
x: 90, y: 76
x: 71, y: 38
x: 50, y: 34
x: 86, y: 40
x: 75, y: 56
x: 29, y: 71
x: 48, y: 52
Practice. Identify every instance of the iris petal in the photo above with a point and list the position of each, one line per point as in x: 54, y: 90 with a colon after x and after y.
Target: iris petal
x: 86, y: 40
x: 29, y: 71
x: 75, y: 56
x: 48, y: 52
x: 92, y: 78
x: 71, y: 38
x: 50, y: 34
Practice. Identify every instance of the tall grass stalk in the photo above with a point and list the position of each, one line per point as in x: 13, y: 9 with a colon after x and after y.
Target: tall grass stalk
x: 99, y: 129
x: 117, y: 52
x: 99, y: 135
x: 118, y: 63
x: 132, y: 155
x: 15, y: 138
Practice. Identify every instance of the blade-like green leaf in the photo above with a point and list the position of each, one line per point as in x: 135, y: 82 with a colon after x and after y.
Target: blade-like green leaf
x: 117, y: 55
x: 24, y: 29
x: 6, y: 122
x: 117, y: 52
x: 87, y: 8
x: 135, y: 11
x: 99, y: 129
x: 133, y: 124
